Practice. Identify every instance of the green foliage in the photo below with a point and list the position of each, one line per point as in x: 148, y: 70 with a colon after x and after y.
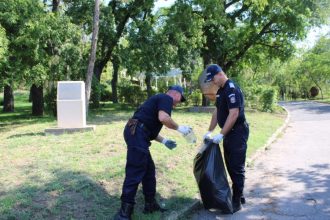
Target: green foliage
x: 131, y: 94
x: 106, y: 94
x: 196, y: 97
x: 3, y: 43
x: 95, y: 93
x: 263, y: 97
x: 268, y: 99
x: 316, y: 64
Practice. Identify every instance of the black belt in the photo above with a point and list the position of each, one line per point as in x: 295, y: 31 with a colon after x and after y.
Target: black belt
x: 141, y: 125
x: 133, y: 123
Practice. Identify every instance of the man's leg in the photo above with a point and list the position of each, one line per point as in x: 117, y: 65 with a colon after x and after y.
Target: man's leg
x: 235, y: 155
x: 149, y: 188
x: 136, y: 164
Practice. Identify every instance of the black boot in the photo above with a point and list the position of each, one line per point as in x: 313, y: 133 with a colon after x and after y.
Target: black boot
x: 125, y: 212
x: 243, y: 199
x: 151, y: 206
x: 237, y: 205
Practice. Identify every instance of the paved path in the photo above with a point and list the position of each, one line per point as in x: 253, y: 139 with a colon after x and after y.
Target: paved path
x: 291, y: 180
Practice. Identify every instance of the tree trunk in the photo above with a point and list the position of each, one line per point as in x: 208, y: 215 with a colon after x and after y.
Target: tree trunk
x: 148, y: 83
x: 56, y: 4
x: 37, y: 100
x: 206, y: 61
x: 320, y: 91
x: 89, y: 74
x: 8, y: 99
x: 114, y: 81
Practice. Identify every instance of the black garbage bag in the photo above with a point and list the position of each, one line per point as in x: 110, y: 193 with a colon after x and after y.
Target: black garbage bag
x: 211, y: 177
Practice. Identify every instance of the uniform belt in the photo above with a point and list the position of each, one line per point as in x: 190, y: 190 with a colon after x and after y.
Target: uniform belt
x: 141, y: 125
x: 133, y: 123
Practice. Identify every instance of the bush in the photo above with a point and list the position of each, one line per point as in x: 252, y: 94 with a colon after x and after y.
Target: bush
x: 196, y: 97
x: 106, y: 94
x: 269, y: 99
x: 131, y: 94
x: 314, y: 91
x: 252, y: 95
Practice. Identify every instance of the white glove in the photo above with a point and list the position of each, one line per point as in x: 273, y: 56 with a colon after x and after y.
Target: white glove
x: 169, y: 143
x: 217, y: 138
x: 184, y: 129
x: 208, y: 135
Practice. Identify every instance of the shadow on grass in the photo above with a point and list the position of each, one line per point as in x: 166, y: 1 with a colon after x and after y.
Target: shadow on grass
x: 72, y: 195
x: 68, y: 195
x: 31, y: 134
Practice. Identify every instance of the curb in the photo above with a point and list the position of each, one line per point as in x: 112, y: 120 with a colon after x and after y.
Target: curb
x: 193, y: 205
x: 178, y: 214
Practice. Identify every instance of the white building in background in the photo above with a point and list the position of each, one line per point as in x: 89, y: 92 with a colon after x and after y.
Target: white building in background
x: 174, y: 76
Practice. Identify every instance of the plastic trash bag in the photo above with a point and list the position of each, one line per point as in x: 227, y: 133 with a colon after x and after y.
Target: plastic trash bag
x: 211, y: 177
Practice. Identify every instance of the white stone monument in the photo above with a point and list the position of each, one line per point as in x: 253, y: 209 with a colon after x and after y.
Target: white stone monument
x: 71, y: 108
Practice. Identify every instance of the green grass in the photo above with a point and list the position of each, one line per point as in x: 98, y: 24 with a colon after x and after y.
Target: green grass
x: 79, y: 176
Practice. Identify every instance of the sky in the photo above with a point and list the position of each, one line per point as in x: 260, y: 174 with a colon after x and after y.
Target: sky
x: 313, y: 35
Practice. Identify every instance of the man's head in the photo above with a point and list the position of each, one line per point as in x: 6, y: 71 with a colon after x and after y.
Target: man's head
x: 215, y: 74
x: 176, y: 92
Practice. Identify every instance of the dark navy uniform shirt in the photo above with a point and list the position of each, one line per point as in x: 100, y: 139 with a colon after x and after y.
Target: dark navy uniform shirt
x: 228, y: 97
x: 147, y: 113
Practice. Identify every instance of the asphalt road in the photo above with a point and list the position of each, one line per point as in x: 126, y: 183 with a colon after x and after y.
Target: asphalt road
x: 291, y: 180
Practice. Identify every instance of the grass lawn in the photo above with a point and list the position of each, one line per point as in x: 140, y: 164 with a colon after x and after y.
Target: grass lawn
x: 79, y: 176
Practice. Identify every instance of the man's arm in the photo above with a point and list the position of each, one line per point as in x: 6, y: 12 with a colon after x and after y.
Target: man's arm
x: 166, y: 120
x: 159, y: 138
x: 230, y: 121
x: 214, y: 120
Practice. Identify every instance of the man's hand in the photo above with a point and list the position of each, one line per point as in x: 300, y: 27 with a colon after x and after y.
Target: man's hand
x: 169, y: 143
x: 207, y: 135
x: 217, y: 138
x: 184, y: 129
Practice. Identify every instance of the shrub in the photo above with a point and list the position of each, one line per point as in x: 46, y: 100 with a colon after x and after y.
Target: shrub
x: 196, y: 97
x: 106, y: 94
x: 269, y: 99
x: 130, y: 93
x: 252, y: 95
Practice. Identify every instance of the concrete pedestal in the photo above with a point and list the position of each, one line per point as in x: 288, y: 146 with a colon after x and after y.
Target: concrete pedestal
x: 71, y: 108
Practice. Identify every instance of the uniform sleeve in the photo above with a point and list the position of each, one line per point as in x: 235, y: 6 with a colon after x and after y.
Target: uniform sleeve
x: 233, y: 98
x: 165, y: 103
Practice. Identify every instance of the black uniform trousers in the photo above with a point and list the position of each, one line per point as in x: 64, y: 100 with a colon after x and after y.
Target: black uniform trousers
x: 235, y: 146
x: 140, y: 167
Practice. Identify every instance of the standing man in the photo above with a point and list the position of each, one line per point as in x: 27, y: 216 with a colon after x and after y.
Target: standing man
x: 143, y: 127
x: 229, y: 115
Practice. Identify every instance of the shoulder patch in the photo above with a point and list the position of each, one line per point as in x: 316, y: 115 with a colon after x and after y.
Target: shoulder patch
x: 231, y: 85
x: 232, y: 99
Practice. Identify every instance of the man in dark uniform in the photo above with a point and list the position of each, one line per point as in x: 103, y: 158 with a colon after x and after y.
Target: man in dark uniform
x: 143, y: 127
x: 229, y: 115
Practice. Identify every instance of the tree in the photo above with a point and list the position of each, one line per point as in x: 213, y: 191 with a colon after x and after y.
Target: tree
x: 90, y: 71
x: 113, y: 22
x: 232, y: 28
x: 13, y: 17
x: 316, y: 63
x: 148, y: 50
